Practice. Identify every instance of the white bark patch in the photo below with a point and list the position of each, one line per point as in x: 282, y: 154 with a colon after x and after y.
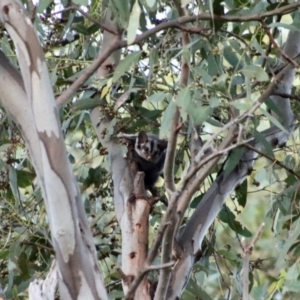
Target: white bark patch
x: 23, y: 56
x: 20, y: 45
x: 63, y: 227
x: 64, y: 291
x: 28, y: 21
x: 45, y: 116
x: 85, y: 290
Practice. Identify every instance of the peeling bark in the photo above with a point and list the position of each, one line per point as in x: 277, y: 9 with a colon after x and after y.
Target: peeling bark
x: 78, y: 272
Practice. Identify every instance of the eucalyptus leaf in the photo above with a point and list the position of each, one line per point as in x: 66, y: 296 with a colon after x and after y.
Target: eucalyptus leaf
x: 294, y: 26
x: 167, y: 120
x: 200, y: 114
x: 261, y: 139
x: 81, y: 2
x: 13, y: 182
x: 134, y: 22
x: 231, y: 57
x: 43, y: 4
x: 241, y: 193
x: 273, y: 120
x: 126, y: 64
x: 151, y: 3
x: 156, y: 97
x: 255, y: 72
x: 88, y: 103
x: 233, y: 159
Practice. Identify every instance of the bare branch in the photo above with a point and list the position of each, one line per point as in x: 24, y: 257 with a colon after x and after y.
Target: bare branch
x: 70, y: 92
x: 247, y: 249
x: 168, y: 238
x: 170, y: 155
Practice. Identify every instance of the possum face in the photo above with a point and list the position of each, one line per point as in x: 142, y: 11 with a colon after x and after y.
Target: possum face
x: 147, y: 147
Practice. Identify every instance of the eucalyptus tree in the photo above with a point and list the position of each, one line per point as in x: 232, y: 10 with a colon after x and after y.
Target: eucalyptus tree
x: 214, y: 79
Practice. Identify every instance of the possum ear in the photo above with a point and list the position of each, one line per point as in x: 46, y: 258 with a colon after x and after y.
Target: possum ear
x: 142, y: 137
x: 162, y: 145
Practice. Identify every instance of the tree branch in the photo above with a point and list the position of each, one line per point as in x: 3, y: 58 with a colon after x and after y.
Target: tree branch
x: 247, y: 249
x: 273, y: 160
x: 70, y: 92
x: 118, y: 44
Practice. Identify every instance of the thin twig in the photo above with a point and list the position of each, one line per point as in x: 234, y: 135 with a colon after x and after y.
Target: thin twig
x: 267, y: 30
x: 66, y: 96
x: 274, y: 160
x: 238, y: 37
x: 118, y: 44
x: 88, y: 16
x: 247, y: 249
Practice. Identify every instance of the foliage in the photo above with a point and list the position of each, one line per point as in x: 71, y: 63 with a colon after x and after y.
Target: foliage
x: 230, y: 64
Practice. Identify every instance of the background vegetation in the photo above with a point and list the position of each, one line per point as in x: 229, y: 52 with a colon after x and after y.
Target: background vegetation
x: 231, y: 64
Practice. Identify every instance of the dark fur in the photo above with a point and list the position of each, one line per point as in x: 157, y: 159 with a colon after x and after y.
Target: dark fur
x: 149, y: 154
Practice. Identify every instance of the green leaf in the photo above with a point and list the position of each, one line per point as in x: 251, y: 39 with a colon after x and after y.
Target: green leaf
x: 121, y: 11
x: 228, y: 254
x: 150, y: 114
x: 273, y: 120
x: 294, y: 27
x: 213, y: 65
x: 156, y: 97
x: 231, y: 57
x: 255, y: 72
x: 263, y: 176
x: 184, y: 98
x: 71, y: 158
x: 81, y: 2
x: 13, y: 183
x: 242, y: 105
x: 271, y: 105
x: 241, y: 193
x: 5, y: 147
x: 25, y: 178
x: 126, y: 64
x: 95, y: 176
x: 4, y: 254
x: 196, y: 111
x: 260, y: 138
x: 233, y: 160
x: 196, y: 201
x: 291, y: 180
x: 88, y: 103
x: 259, y: 292
x: 200, y: 115
x: 240, y: 229
x: 151, y: 3
x: 23, y: 265
x: 134, y: 22
x: 167, y: 120
x: 194, y: 288
x: 228, y: 217
x: 43, y: 4
x: 214, y: 122
x: 214, y: 102
x: 80, y: 28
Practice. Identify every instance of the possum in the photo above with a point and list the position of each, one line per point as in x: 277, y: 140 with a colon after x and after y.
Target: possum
x: 149, y: 153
